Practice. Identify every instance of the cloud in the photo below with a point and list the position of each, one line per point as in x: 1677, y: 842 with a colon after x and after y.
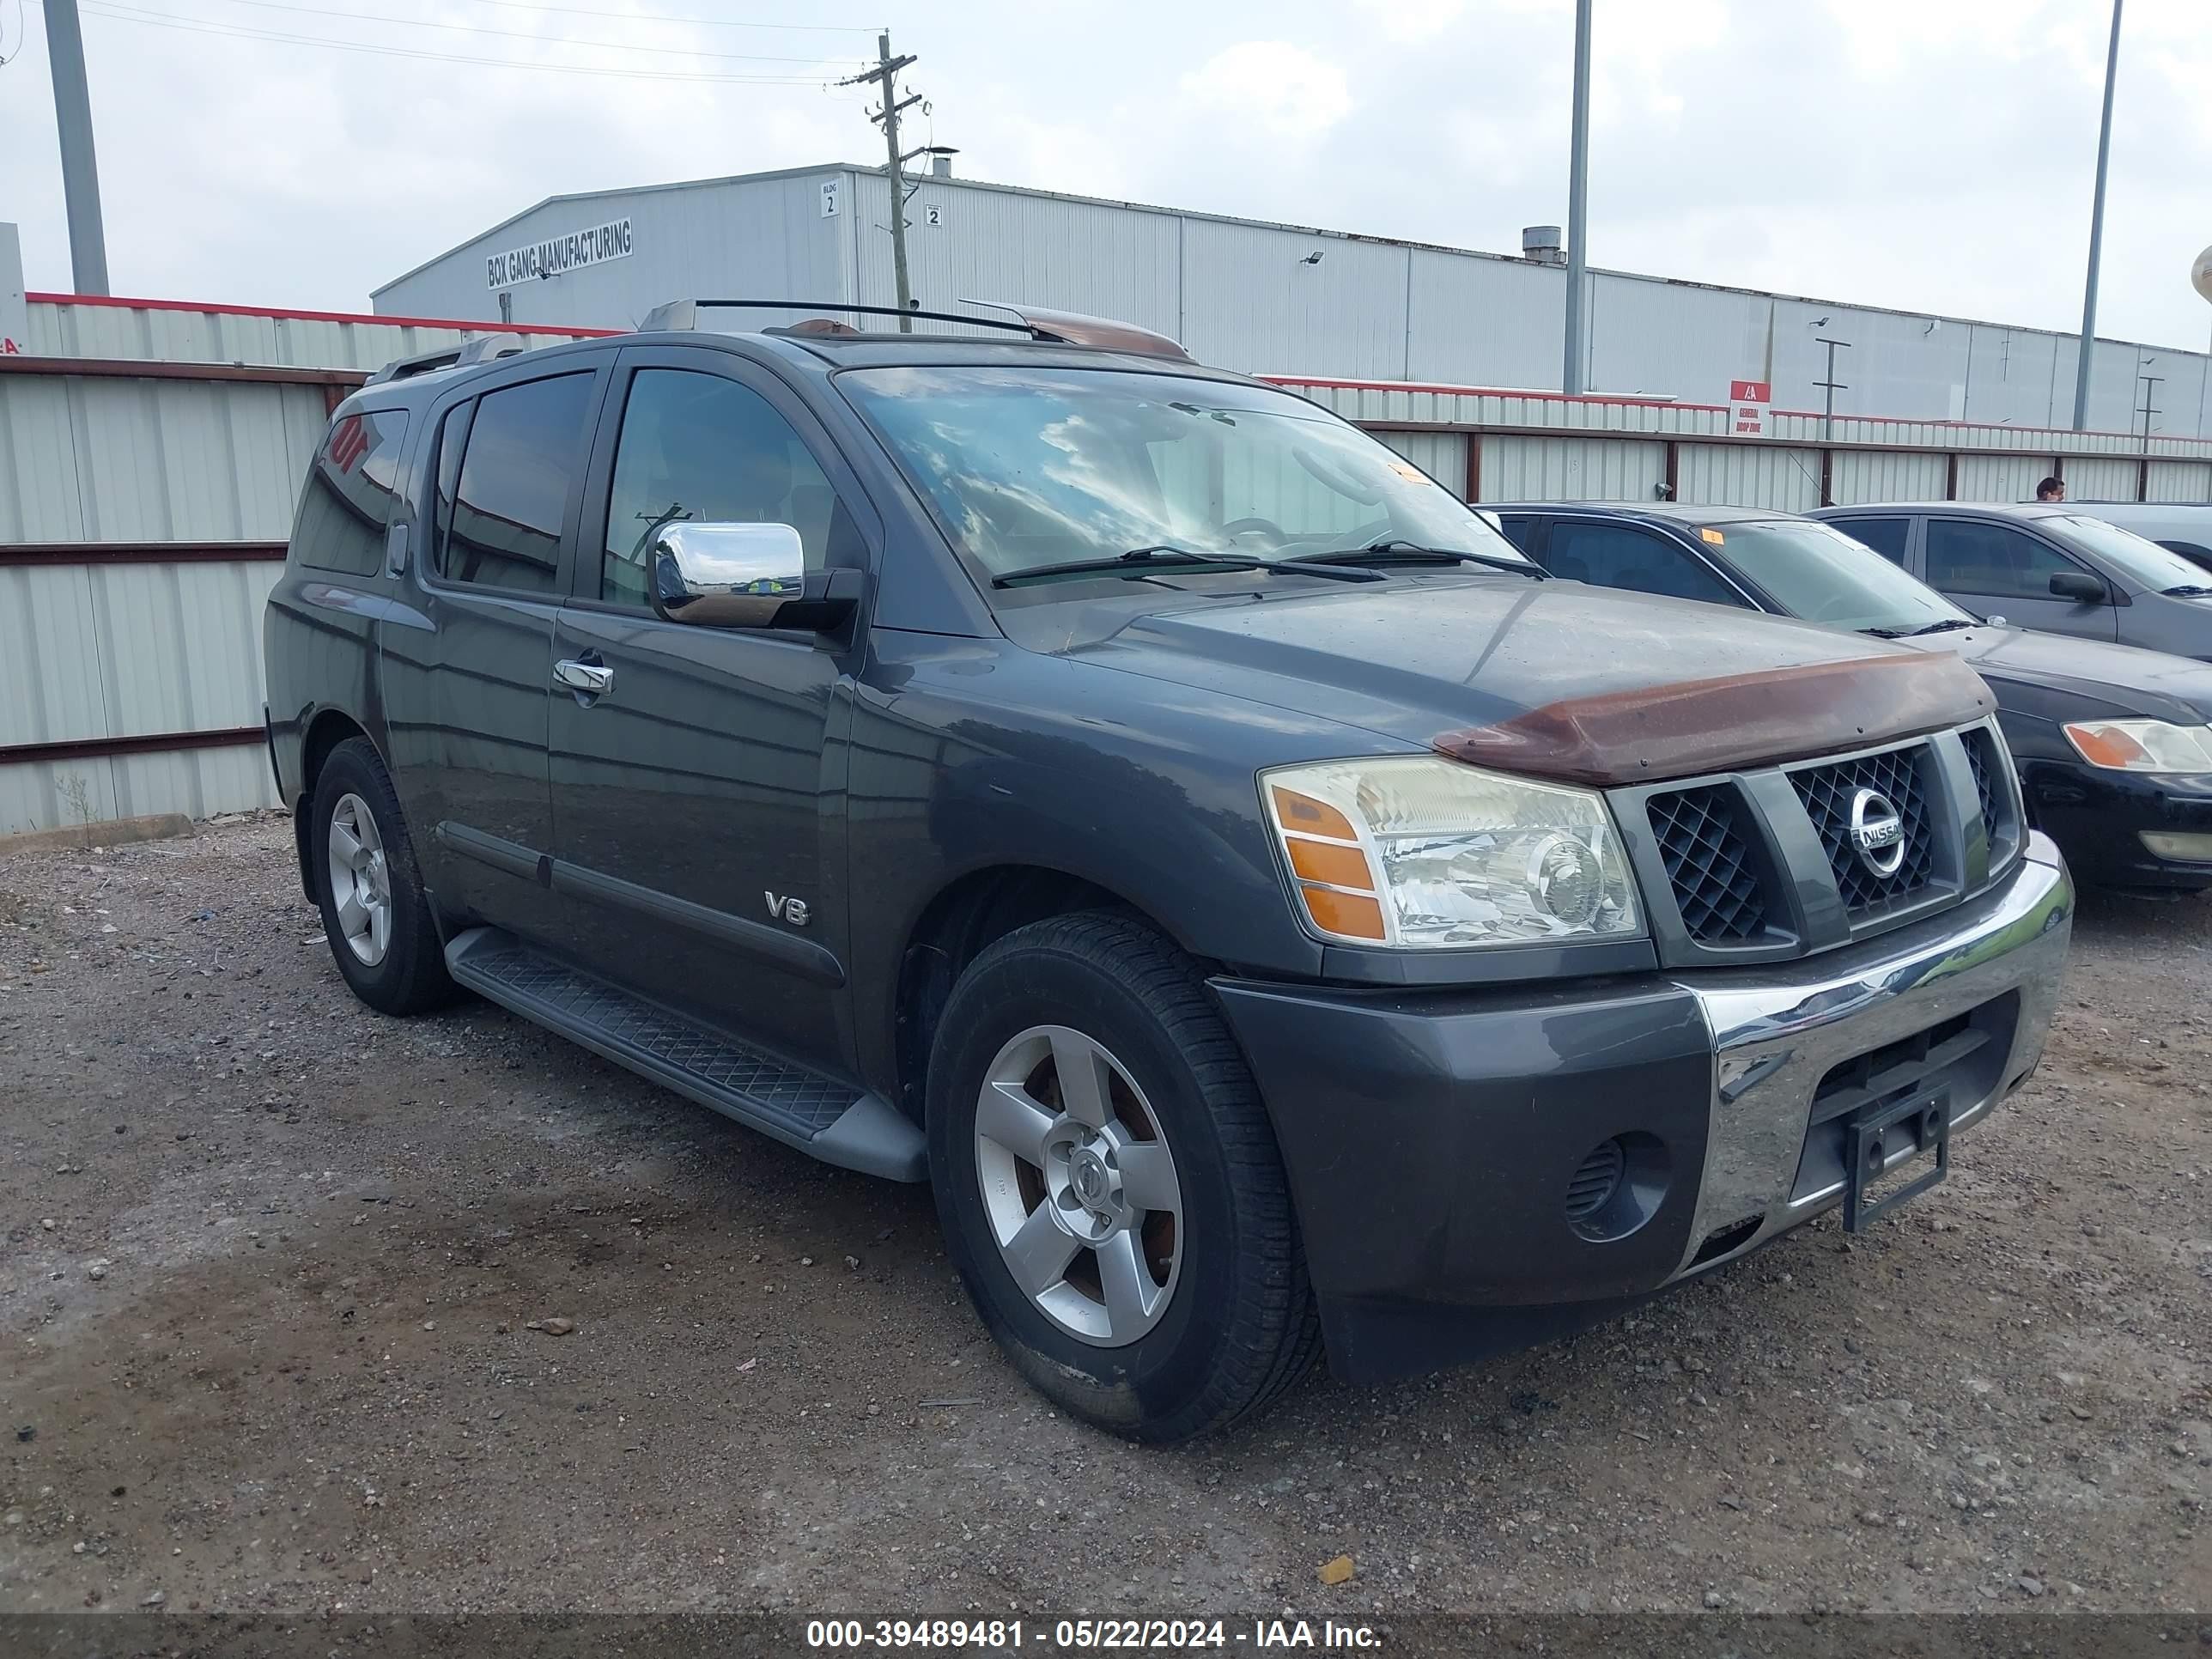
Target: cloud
x: 1283, y: 93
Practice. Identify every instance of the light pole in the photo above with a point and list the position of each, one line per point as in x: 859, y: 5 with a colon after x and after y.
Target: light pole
x: 2096, y: 235
x: 80, y: 167
x: 1570, y: 376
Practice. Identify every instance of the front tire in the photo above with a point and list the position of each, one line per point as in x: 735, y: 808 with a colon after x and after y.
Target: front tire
x: 375, y: 911
x: 1109, y: 1186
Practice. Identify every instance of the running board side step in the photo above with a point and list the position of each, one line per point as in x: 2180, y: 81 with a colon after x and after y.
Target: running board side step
x: 829, y: 1120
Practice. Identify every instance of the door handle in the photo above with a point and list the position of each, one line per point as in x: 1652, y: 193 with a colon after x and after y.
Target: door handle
x: 591, y: 678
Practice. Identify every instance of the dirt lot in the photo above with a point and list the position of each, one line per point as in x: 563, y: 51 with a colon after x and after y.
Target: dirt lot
x: 273, y: 1264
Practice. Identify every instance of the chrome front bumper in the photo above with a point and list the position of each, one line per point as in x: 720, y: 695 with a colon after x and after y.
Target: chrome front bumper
x: 1778, y: 1032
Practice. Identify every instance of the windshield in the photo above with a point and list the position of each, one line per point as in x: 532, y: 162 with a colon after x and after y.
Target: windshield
x: 1025, y: 468
x: 2145, y: 561
x: 1816, y: 573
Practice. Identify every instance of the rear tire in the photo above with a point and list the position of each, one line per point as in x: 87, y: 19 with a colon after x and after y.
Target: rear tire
x: 376, y: 912
x: 1109, y: 1186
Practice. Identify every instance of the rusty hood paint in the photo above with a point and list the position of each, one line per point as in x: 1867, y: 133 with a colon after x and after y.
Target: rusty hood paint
x: 1553, y: 679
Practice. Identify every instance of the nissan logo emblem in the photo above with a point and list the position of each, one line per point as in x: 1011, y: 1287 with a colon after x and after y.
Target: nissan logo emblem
x: 1878, y: 832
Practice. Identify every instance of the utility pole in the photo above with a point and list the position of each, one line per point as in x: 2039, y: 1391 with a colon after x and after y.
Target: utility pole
x: 2096, y: 235
x: 1834, y: 385
x: 80, y: 169
x: 1570, y: 376
x: 886, y: 71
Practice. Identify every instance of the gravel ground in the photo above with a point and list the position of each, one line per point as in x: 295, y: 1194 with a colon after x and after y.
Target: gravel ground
x: 304, y: 1308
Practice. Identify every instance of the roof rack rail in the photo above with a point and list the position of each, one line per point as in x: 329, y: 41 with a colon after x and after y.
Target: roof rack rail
x: 483, y: 349
x: 1047, y: 327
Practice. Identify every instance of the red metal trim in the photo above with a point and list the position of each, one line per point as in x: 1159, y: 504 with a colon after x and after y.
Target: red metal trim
x: 1503, y: 430
x: 1486, y: 392
x: 318, y: 316
x: 155, y: 743
x: 77, y: 553
x: 1474, y: 468
x: 150, y: 368
x: 1827, y: 477
x: 1673, y: 468
x: 1951, y: 476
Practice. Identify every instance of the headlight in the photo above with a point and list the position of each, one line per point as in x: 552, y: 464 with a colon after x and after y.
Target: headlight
x: 1421, y: 852
x: 2143, y: 745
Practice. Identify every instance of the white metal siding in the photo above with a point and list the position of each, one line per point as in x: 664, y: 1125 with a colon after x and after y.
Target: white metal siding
x: 1750, y: 475
x: 1249, y: 301
x: 162, y: 334
x: 2090, y: 479
x: 1442, y: 455
x: 1869, y: 475
x: 1530, y: 469
x: 1481, y: 322
x: 197, y: 782
x: 2180, y: 481
x: 2000, y: 478
x: 86, y: 458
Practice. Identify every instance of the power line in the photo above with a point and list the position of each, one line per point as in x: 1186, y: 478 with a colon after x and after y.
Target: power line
x: 522, y: 35
x: 132, y: 15
x: 700, y: 22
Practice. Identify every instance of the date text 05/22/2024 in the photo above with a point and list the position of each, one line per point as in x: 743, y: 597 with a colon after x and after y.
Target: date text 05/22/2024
x: 990, y: 1635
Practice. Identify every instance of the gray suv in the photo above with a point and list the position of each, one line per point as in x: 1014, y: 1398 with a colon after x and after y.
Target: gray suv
x: 1272, y: 914
x: 2059, y: 568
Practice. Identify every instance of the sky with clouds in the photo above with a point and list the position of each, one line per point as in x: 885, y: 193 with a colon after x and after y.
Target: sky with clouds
x: 1927, y: 155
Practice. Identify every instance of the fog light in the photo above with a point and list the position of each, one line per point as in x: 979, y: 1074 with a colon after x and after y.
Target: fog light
x: 2183, y: 849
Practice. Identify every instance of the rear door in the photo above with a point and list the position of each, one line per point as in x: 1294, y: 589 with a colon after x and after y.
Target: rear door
x: 465, y: 673
x: 2001, y: 570
x: 698, y: 799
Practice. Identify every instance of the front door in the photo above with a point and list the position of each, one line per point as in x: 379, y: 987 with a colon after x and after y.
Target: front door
x: 464, y: 676
x: 1997, y: 570
x: 698, y: 797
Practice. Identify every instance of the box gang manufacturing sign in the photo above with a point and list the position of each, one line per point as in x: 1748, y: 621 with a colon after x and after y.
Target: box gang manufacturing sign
x: 593, y: 246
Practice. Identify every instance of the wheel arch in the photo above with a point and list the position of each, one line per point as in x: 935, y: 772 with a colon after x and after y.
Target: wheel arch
x: 326, y: 730
x: 965, y: 916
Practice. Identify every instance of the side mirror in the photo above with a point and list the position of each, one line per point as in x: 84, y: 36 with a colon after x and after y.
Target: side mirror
x: 745, y: 575
x: 2079, y: 587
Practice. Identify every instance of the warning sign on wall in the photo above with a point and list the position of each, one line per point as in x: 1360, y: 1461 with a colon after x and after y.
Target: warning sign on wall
x: 1751, y: 407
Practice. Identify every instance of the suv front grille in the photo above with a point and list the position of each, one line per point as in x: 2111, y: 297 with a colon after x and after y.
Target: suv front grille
x: 1828, y: 793
x: 1709, y: 862
x: 1991, y: 779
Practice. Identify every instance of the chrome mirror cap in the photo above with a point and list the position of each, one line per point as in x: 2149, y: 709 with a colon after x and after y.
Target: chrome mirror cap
x: 726, y: 575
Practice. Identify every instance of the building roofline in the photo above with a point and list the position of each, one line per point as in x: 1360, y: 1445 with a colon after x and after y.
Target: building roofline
x: 960, y: 183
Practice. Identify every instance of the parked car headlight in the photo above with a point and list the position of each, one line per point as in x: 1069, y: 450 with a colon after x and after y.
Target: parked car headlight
x: 1420, y: 852
x: 2143, y: 745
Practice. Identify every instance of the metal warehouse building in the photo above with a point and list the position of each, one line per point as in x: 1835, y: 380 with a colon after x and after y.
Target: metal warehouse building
x: 1253, y: 297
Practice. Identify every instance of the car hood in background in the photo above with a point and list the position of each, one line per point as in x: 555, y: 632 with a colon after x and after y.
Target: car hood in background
x: 2112, y: 680
x: 1552, y: 678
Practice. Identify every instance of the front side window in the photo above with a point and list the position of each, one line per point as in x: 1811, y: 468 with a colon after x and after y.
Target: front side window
x: 522, y: 449
x: 1025, y: 468
x: 1886, y: 536
x: 2156, y: 568
x: 1621, y: 555
x: 1820, y: 573
x: 351, y: 488
x: 1971, y: 556
x: 700, y: 448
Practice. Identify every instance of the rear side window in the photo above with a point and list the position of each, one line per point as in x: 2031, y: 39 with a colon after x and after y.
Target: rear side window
x: 347, y: 506
x: 1617, y: 555
x: 500, y: 513
x: 1970, y: 555
x: 1886, y: 536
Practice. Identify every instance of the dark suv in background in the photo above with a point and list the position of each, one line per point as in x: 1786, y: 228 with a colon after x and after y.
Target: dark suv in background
x: 1270, y: 913
x: 2057, y: 567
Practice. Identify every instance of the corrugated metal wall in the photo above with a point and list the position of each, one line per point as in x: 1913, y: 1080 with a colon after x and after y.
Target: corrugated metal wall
x: 1999, y: 478
x: 2092, y: 479
x: 1532, y: 469
x: 2179, y: 481
x: 75, y: 328
x: 1863, y: 475
x: 1746, y: 475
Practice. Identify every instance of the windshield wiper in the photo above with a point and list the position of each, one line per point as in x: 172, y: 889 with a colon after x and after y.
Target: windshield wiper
x: 1391, y: 551
x: 1947, y: 625
x: 1140, y: 562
